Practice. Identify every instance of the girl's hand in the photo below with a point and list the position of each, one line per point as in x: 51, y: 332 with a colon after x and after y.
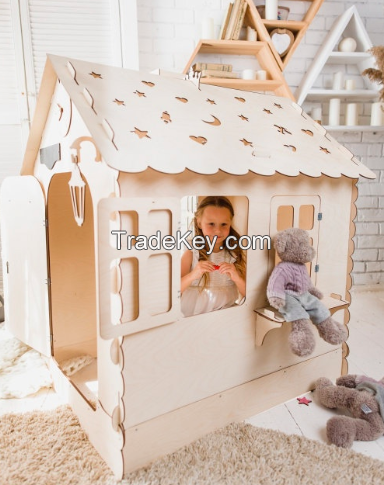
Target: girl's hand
x: 201, y: 268
x: 230, y: 270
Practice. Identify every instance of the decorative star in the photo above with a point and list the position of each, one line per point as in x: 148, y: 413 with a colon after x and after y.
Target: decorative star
x: 325, y: 150
x: 244, y: 118
x: 242, y: 100
x: 267, y: 111
x: 140, y: 134
x: 304, y: 400
x: 246, y: 142
x: 119, y: 102
x: 148, y: 83
x: 95, y: 75
x: 278, y: 105
x: 282, y: 130
x: 211, y: 101
x: 140, y: 94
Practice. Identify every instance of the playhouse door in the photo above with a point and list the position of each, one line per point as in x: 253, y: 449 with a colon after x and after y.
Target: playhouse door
x: 301, y: 211
x: 24, y: 255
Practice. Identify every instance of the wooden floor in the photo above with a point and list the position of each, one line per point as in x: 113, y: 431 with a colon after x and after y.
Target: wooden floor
x: 366, y: 343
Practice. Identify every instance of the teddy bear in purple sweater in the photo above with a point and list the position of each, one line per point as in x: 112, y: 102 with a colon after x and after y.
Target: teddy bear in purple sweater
x: 291, y: 292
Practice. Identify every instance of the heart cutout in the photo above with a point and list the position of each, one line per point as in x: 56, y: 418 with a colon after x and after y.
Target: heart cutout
x: 282, y: 39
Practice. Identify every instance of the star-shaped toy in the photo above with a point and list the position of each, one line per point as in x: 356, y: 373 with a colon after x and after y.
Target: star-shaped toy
x: 304, y: 400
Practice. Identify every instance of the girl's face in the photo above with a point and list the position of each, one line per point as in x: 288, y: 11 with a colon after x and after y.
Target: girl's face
x: 215, y: 221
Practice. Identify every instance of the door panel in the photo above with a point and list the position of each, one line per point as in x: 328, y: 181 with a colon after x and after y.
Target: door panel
x: 25, y: 268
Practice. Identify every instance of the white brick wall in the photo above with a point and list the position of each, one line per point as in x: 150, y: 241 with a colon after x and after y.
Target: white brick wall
x: 168, y: 33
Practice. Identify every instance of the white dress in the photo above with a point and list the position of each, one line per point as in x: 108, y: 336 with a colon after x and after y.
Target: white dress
x: 221, y: 291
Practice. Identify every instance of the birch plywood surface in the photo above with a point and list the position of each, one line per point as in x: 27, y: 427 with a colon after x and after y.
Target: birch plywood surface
x: 140, y: 120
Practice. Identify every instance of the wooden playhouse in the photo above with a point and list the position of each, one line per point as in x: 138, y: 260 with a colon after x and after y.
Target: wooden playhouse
x: 114, y: 153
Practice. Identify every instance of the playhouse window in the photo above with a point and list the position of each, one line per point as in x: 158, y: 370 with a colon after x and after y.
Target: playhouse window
x: 298, y: 215
x: 189, y: 205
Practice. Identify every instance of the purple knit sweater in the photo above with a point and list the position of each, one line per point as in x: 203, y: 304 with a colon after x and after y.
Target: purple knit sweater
x: 291, y: 277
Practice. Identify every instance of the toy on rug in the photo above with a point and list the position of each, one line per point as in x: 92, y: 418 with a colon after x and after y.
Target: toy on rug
x: 363, y: 397
x: 292, y: 293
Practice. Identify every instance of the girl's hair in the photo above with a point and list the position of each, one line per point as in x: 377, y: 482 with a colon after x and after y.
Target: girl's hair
x: 238, y: 253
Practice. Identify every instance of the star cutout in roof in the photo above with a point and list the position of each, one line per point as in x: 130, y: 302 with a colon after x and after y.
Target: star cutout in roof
x: 95, y: 75
x: 246, y: 142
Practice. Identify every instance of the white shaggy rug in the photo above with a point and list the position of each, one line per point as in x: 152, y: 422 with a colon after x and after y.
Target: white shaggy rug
x: 23, y: 371
x: 50, y: 448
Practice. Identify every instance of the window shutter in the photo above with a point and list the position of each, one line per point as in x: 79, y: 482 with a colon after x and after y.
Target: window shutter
x: 81, y: 29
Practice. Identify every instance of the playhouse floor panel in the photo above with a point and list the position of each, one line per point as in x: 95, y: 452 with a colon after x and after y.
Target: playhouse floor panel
x: 86, y: 382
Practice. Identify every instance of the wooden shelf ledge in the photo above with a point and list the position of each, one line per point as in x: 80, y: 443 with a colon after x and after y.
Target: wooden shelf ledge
x: 268, y: 318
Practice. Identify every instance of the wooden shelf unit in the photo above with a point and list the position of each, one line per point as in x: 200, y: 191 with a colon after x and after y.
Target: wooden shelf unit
x: 298, y: 28
x: 275, y: 80
x: 349, y: 24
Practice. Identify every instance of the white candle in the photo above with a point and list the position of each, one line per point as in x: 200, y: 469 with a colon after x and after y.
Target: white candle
x: 248, y: 74
x: 334, y: 112
x: 351, y: 114
x: 251, y: 34
x: 207, y: 28
x: 338, y: 78
x: 377, y: 115
x: 261, y: 75
x: 350, y: 84
x: 271, y: 9
x: 316, y: 114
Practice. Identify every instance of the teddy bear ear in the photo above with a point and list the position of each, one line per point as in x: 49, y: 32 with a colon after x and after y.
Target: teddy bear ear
x: 280, y: 242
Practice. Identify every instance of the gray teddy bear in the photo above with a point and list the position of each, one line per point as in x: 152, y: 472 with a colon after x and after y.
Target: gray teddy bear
x: 292, y: 293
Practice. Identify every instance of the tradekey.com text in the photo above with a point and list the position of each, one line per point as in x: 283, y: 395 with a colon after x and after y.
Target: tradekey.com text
x: 169, y: 243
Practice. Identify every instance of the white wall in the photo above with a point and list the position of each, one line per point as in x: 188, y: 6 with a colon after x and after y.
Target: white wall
x: 168, y: 33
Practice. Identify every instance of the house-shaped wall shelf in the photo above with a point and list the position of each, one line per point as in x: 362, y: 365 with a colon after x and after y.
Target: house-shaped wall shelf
x: 348, y: 25
x: 275, y: 81
x: 265, y: 27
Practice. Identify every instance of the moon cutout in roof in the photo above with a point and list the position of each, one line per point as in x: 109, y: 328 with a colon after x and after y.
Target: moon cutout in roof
x: 242, y: 100
x: 199, y: 139
x: 148, y: 83
x: 291, y: 147
x: 183, y: 100
x: 307, y: 132
x: 215, y: 122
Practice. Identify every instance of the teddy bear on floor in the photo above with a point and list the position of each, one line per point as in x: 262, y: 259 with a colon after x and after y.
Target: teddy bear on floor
x: 363, y: 397
x: 292, y: 293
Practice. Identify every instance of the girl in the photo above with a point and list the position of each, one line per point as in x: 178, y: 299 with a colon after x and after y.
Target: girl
x: 214, y: 281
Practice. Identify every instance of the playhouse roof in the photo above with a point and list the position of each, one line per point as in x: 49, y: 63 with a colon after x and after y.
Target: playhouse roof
x: 140, y: 120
